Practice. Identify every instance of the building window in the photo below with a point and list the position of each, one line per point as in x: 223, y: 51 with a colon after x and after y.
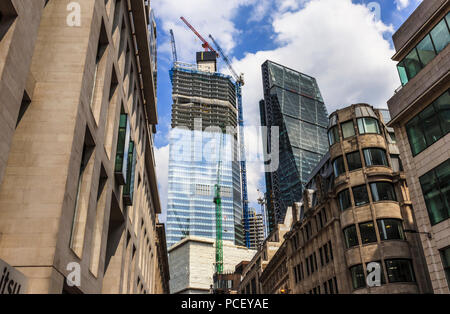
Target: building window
x: 396, y: 163
x: 390, y: 229
x: 445, y: 255
x: 436, y: 191
x: 351, y: 237
x: 368, y: 126
x: 375, y: 157
x: 358, y: 278
x: 331, y: 249
x: 360, y: 195
x: 333, y: 135
x: 429, y: 125
x: 321, y: 257
x: 399, y: 270
x: 432, y: 44
x: 367, y: 231
x: 383, y: 191
x: 441, y: 36
x: 338, y: 166
x: 123, y: 141
x: 348, y: 129
x: 344, y: 200
x: 425, y: 50
x: 128, y: 190
x: 354, y: 161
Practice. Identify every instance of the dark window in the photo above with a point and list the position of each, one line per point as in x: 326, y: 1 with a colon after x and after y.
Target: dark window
x: 360, y: 195
x: 429, y: 125
x: 330, y: 286
x: 368, y: 126
x: 321, y: 257
x: 348, y: 129
x: 122, y: 148
x: 315, y: 261
x: 354, y: 161
x: 295, y: 274
x: 333, y: 135
x: 358, y: 278
x: 400, y: 270
x: 436, y: 191
x: 331, y: 250
x: 390, y: 229
x: 351, y: 237
x: 412, y: 63
x: 383, y: 191
x: 375, y: 157
x: 445, y: 255
x: 344, y: 200
x: 367, y: 231
x: 338, y: 166
x: 325, y: 250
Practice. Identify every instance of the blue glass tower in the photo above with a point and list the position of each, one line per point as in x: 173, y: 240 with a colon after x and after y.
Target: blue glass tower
x: 293, y: 102
x: 202, y: 99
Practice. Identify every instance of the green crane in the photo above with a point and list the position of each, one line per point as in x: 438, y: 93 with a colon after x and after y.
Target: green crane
x: 218, y: 202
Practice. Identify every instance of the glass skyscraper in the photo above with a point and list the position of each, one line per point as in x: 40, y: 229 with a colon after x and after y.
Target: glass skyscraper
x: 293, y: 102
x: 203, y: 96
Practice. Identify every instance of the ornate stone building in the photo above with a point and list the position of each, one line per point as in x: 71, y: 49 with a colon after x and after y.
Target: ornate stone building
x: 356, y: 215
x: 77, y: 171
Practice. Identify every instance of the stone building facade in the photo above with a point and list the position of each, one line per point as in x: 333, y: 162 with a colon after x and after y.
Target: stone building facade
x: 251, y: 274
x: 77, y: 172
x: 420, y: 117
x: 356, y: 216
x: 192, y: 263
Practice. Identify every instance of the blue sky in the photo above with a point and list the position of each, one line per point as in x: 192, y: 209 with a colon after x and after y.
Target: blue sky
x: 340, y: 42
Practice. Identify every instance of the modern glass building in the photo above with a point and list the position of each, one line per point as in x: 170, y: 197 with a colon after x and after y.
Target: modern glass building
x: 293, y: 102
x: 209, y: 98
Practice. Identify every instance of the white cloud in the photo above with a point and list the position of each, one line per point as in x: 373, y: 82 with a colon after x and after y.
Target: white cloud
x: 401, y: 4
x: 162, y: 171
x: 337, y: 42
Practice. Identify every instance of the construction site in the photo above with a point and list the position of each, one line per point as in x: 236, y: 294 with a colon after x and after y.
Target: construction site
x: 207, y: 198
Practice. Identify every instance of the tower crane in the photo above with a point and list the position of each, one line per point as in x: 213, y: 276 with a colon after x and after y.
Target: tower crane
x: 174, y: 47
x: 218, y: 202
x: 205, y: 44
x: 239, y: 83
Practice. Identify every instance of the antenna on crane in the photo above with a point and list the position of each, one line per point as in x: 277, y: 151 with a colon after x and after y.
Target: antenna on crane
x: 239, y: 83
x: 205, y: 44
x: 174, y: 47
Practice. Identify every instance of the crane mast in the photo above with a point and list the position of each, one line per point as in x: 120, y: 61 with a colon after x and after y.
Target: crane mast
x: 218, y: 202
x: 239, y: 83
x: 174, y: 47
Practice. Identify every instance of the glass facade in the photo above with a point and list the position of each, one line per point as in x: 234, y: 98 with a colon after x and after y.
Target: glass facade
x: 430, y: 46
x: 192, y: 179
x: 436, y: 192
x: 430, y: 125
x: 293, y: 102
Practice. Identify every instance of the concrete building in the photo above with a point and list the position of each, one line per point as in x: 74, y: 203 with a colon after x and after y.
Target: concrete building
x: 77, y: 172
x: 420, y: 117
x: 204, y: 105
x: 252, y: 272
x: 256, y: 229
x: 355, y: 211
x: 192, y: 263
x: 293, y: 103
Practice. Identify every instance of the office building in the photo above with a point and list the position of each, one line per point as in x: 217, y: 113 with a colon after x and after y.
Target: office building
x: 256, y: 228
x: 355, y: 217
x: 192, y: 264
x: 204, y: 105
x: 292, y: 102
x: 78, y: 190
x: 420, y: 116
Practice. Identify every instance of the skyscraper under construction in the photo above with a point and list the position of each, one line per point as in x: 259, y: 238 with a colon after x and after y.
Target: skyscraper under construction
x: 204, y: 105
x: 293, y: 102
